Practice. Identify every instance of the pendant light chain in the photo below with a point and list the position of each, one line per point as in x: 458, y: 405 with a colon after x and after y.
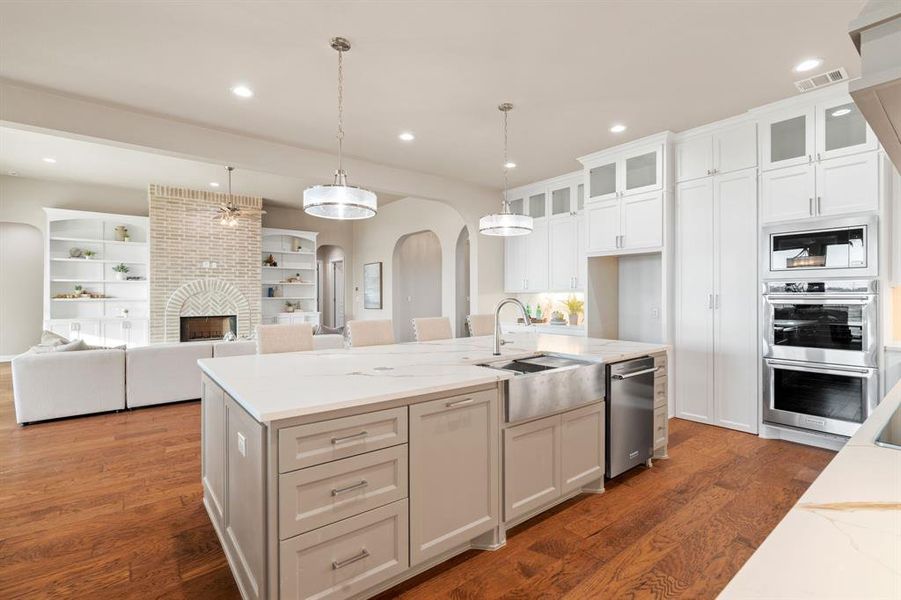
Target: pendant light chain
x: 340, y: 134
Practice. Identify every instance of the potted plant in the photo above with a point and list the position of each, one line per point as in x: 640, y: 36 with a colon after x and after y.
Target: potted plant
x: 121, y: 269
x: 80, y: 292
x: 289, y: 307
x: 574, y: 307
x: 89, y: 254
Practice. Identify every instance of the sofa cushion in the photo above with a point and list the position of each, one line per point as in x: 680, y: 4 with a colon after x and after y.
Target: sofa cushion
x: 162, y: 373
x: 73, y: 346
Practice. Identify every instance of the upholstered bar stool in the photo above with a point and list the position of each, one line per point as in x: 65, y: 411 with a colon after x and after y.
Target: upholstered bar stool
x: 432, y: 328
x: 297, y: 337
x: 370, y: 333
x: 480, y: 325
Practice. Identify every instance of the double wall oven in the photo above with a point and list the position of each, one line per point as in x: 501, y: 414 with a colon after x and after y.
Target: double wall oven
x: 820, y: 334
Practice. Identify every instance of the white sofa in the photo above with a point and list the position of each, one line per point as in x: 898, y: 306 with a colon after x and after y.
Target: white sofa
x: 327, y: 341
x: 64, y: 384
x: 163, y: 373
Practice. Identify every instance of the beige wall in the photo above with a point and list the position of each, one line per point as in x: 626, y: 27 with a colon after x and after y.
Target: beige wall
x: 21, y: 285
x: 375, y: 240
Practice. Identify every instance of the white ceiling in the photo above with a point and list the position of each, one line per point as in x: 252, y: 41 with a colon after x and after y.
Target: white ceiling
x: 22, y: 153
x: 437, y: 68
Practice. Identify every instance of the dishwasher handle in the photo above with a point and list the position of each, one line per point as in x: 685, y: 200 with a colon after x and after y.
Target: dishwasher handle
x: 633, y: 373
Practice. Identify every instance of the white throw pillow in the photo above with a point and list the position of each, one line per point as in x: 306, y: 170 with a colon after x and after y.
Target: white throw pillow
x: 73, y: 346
x: 48, y: 338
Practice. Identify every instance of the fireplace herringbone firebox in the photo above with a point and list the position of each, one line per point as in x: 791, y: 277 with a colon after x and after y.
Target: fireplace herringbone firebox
x: 207, y: 328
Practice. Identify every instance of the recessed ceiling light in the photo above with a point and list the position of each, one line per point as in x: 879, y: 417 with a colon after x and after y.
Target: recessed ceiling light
x: 49, y: 159
x: 214, y: 184
x: 509, y: 165
x: 406, y: 136
x: 242, y: 91
x: 618, y: 128
x: 841, y: 112
x: 808, y: 64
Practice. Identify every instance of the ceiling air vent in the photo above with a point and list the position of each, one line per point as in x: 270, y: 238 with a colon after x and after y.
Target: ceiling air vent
x: 822, y: 80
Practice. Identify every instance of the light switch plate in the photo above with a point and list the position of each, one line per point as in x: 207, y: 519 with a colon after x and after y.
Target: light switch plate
x: 242, y: 444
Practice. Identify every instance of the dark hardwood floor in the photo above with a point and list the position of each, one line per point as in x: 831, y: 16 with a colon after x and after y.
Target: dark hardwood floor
x: 109, y: 506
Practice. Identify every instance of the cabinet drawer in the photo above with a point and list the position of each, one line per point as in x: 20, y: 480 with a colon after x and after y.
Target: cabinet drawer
x: 316, y: 443
x: 316, y: 496
x: 661, y: 426
x: 346, y: 558
x: 660, y: 384
x: 660, y: 364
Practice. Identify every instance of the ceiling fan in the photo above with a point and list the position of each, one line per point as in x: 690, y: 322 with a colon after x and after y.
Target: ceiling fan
x: 229, y: 212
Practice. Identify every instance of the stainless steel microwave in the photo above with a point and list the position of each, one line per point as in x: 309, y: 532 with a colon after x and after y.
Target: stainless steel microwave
x: 818, y: 248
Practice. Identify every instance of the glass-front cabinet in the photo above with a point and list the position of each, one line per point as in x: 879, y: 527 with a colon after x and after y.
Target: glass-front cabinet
x: 632, y: 172
x: 842, y: 130
x: 812, y: 134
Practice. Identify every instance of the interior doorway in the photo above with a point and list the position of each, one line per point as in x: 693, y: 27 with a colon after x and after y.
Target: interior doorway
x: 416, y: 281
x: 331, y: 285
x: 461, y: 278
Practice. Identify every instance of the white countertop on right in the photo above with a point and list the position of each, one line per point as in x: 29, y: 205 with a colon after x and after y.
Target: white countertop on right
x: 842, y: 539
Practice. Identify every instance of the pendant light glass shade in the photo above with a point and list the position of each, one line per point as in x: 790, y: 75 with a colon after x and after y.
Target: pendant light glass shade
x: 505, y: 224
x: 339, y: 200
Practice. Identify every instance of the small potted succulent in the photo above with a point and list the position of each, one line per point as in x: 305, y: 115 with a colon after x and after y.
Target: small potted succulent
x: 121, y: 269
x: 289, y: 307
x: 89, y: 254
x: 80, y: 292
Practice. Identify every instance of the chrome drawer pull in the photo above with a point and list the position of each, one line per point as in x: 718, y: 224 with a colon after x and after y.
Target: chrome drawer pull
x: 337, y: 564
x: 338, y: 440
x: 363, y: 483
x: 459, y: 403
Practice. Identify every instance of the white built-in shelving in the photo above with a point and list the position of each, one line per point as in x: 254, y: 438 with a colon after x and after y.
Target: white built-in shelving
x: 120, y: 316
x: 295, y: 255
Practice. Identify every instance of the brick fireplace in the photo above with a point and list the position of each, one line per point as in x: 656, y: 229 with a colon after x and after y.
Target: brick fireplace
x: 199, y: 268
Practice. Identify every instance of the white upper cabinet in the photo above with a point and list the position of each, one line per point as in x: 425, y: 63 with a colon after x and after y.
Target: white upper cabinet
x: 536, y: 257
x: 842, y: 130
x: 603, y: 222
x: 603, y: 181
x: 787, y: 194
x: 642, y: 222
x: 562, y: 201
x: 787, y: 139
x: 808, y: 134
x: 726, y: 150
x: 847, y: 185
x: 515, y: 264
x: 633, y: 171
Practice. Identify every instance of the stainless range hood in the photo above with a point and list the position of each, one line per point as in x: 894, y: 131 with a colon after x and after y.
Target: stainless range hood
x: 877, y: 35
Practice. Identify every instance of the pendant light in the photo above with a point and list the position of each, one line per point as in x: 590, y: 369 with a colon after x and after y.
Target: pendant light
x: 339, y: 200
x: 505, y: 223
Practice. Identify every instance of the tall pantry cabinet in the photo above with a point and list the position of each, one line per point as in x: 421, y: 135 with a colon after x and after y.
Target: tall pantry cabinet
x: 716, y: 355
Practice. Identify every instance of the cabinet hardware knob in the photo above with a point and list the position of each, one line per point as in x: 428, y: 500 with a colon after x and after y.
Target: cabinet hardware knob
x: 337, y: 564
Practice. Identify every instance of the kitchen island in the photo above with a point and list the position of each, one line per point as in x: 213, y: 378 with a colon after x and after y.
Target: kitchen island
x: 340, y: 473
x: 843, y: 537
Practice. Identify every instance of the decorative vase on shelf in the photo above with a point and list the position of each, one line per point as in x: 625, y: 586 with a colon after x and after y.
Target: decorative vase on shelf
x: 121, y: 232
x: 573, y: 319
x: 120, y: 275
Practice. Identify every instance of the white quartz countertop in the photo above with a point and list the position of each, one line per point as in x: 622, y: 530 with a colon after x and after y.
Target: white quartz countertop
x: 272, y: 387
x: 843, y: 538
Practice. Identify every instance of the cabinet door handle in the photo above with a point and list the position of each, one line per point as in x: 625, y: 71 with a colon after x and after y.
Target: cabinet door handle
x: 347, y: 438
x: 818, y: 157
x: 716, y: 301
x: 810, y: 201
x: 819, y: 205
x: 337, y: 564
x: 361, y: 484
x: 809, y: 158
x: 708, y: 172
x: 710, y: 301
x: 457, y: 403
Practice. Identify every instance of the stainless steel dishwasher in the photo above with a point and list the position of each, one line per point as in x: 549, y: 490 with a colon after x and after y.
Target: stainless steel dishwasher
x: 630, y: 414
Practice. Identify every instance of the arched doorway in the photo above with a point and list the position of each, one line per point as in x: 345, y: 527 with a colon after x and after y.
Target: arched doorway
x: 461, y: 278
x: 416, y: 286
x: 330, y: 285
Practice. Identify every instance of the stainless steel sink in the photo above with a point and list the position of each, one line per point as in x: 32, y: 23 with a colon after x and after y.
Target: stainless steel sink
x: 544, y: 384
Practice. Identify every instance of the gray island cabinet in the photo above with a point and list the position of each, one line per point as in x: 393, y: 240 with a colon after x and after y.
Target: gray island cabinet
x: 344, y: 494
